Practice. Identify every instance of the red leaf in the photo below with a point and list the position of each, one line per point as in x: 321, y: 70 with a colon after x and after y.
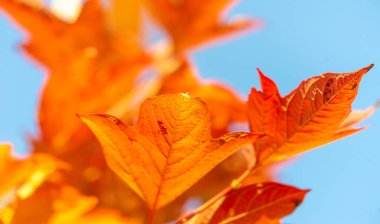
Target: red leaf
x: 252, y: 205
x: 315, y: 113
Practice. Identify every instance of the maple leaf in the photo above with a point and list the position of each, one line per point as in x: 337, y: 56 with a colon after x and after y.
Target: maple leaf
x: 86, y: 53
x: 89, y: 34
x: 225, y: 105
x: 193, y: 22
x: 168, y: 150
x: 259, y: 203
x: 313, y: 114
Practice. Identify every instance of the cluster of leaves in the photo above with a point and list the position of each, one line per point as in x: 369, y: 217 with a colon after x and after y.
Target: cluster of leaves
x: 165, y: 134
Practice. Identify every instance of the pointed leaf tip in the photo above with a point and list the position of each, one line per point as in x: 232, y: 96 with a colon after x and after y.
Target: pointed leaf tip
x: 315, y: 113
x: 369, y: 67
x: 170, y: 145
x: 266, y: 202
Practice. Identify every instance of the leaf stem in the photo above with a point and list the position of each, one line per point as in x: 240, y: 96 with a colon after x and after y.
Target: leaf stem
x: 150, y: 218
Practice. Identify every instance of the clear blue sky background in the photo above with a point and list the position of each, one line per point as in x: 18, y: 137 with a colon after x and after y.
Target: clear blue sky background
x: 301, y: 38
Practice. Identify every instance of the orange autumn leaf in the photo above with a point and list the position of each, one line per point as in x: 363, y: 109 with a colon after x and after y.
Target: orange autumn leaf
x: 24, y: 175
x: 86, y: 53
x: 89, y: 34
x: 54, y: 204
x: 96, y: 64
x: 194, y: 22
x: 111, y: 86
x: 226, y: 107
x: 71, y: 207
x: 21, y: 177
x: 168, y: 150
x: 310, y: 116
x: 249, y: 204
x: 211, y: 184
x: 253, y: 204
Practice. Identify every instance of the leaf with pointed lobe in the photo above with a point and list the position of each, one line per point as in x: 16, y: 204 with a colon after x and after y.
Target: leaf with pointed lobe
x: 225, y: 105
x: 310, y: 116
x: 194, y: 22
x: 168, y: 150
x: 86, y: 55
x: 88, y: 34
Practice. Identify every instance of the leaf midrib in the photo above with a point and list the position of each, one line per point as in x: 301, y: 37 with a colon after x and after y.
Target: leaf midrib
x: 245, y: 214
x: 316, y: 112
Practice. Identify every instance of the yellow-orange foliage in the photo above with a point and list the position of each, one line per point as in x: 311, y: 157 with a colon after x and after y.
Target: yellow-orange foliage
x: 168, y: 129
x: 168, y: 150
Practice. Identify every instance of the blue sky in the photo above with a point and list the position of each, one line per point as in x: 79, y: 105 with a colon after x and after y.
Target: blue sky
x: 300, y: 39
